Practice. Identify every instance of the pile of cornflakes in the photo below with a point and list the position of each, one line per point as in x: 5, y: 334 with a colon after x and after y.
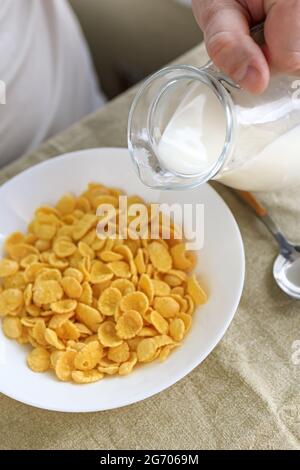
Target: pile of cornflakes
x: 94, y: 307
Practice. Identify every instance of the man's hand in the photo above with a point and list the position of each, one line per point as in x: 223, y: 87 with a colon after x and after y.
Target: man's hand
x: 226, y: 25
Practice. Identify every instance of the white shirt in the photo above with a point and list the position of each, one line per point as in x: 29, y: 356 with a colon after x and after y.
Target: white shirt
x: 46, y: 68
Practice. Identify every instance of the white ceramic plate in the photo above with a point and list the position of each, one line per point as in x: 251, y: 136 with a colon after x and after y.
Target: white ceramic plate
x: 221, y: 268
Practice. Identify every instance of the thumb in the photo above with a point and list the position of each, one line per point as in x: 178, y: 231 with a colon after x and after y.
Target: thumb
x: 229, y: 44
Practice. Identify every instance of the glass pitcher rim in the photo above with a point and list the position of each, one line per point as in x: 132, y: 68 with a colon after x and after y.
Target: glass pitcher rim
x: 209, y: 77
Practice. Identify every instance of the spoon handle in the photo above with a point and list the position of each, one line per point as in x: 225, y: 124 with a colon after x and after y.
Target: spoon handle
x: 251, y: 201
x: 285, y: 247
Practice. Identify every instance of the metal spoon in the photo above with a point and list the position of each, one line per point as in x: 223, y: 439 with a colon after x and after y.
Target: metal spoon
x: 286, y: 269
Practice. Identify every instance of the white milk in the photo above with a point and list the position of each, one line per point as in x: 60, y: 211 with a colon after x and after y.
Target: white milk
x: 188, y: 144
x: 277, y: 166
x: 194, y: 138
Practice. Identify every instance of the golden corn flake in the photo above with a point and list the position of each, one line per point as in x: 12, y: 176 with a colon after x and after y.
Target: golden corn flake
x: 19, y: 251
x: 54, y: 356
x: 14, y: 239
x: 89, y: 356
x: 123, y: 285
x: 160, y: 288
x: 159, y: 322
x: 166, y: 306
x: 89, y: 316
x: 63, y: 364
x: 85, y: 250
x: 146, y: 286
x: 191, y: 305
x: 74, y: 273
x: 195, y: 291
x: 64, y: 247
x: 46, y: 292
x: 127, y: 367
x: 87, y: 294
x: 68, y: 331
x: 90, y: 339
x: 165, y: 352
x: 44, y: 230
x: 30, y: 259
x: 109, y: 369
x: 63, y: 306
x: 178, y: 291
x: 160, y: 256
x: 72, y: 287
x: 109, y: 256
x: 123, y: 250
x: 38, y: 333
x: 85, y: 267
x: 93, y: 307
x: 52, y: 339
x: 146, y: 350
x: 58, y: 320
x: 129, y: 324
x: 74, y: 345
x: 39, y: 360
x: 177, y: 329
x: 181, y: 258
x: 33, y: 310
x: 28, y: 294
x: 49, y: 274
x: 83, y: 329
x: 120, y: 269
x: 86, y: 377
x: 66, y: 205
x: 108, y: 336
x: 90, y: 237
x: 137, y: 301
x: 187, y: 320
x: 119, y: 353
x: 97, y: 289
x: 173, y: 281
x: 83, y: 226
x: 32, y: 271
x: 29, y: 322
x: 10, y: 301
x: 12, y: 327
x: 56, y: 262
x: 100, y: 272
x: 147, y: 331
x: 8, y: 267
x: 41, y: 245
x: 140, y: 261
x: 163, y: 340
x: 15, y: 281
x: 109, y: 301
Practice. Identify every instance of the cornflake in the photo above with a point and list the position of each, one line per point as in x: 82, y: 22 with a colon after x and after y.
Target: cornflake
x: 90, y: 308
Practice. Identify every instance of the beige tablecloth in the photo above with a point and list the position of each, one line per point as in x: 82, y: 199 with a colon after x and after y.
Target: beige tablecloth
x: 246, y: 393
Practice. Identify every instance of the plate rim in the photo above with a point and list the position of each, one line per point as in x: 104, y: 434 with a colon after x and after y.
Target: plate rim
x: 191, y: 365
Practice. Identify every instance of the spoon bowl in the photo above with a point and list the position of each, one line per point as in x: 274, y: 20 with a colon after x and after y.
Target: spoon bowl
x: 286, y: 273
x: 286, y: 269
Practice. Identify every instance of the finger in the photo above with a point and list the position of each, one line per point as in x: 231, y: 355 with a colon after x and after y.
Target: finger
x: 282, y: 34
x: 226, y: 32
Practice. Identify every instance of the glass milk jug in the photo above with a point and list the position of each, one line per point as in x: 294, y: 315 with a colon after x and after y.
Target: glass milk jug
x: 189, y: 124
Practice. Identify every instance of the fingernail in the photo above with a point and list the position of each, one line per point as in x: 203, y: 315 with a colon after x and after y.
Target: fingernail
x: 251, y: 79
